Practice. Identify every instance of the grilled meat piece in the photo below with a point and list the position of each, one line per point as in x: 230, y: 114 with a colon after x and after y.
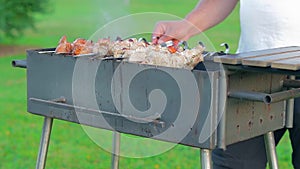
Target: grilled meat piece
x: 64, y: 46
x: 82, y: 46
x: 102, y: 47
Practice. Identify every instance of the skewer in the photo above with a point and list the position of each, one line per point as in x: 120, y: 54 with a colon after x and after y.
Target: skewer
x: 87, y: 54
x: 167, y: 44
x: 184, y: 44
x: 114, y: 58
x: 226, y: 48
x: 50, y: 51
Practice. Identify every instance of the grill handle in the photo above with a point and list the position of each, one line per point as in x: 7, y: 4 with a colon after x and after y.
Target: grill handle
x: 19, y: 63
x: 291, y: 83
x: 61, y: 103
x: 266, y: 98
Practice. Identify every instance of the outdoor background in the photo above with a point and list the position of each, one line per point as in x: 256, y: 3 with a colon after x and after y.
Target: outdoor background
x: 70, y: 147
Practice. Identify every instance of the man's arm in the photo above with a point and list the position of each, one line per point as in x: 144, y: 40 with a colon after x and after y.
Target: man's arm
x: 205, y: 15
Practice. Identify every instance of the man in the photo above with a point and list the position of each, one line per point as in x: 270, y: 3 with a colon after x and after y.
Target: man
x: 264, y: 24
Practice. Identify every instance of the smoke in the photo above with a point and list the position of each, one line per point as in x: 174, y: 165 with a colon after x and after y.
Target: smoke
x: 110, y: 10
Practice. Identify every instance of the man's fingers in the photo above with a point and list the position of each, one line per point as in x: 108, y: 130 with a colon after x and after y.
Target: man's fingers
x: 164, y: 38
x: 155, y: 39
x: 159, y: 31
x: 167, y: 30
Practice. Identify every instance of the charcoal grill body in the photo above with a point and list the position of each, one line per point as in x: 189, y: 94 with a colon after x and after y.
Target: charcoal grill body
x: 47, y: 84
x: 90, y: 91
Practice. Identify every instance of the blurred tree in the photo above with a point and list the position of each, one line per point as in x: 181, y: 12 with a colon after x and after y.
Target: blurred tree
x: 17, y: 15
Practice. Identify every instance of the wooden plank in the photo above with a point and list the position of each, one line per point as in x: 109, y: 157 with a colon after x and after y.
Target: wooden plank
x: 237, y: 58
x: 267, y: 60
x: 287, y: 64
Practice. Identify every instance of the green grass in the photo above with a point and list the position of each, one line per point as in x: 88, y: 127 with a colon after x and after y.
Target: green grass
x: 70, y: 147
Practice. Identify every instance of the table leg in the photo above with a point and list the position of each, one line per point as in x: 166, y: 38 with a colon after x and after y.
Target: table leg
x: 44, y: 143
x: 271, y: 150
x: 206, y: 161
x: 116, y: 151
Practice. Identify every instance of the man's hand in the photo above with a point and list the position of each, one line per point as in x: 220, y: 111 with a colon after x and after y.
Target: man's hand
x: 205, y: 15
x: 169, y: 30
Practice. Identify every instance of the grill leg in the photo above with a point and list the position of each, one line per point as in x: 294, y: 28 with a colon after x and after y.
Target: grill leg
x: 206, y: 162
x: 116, y: 151
x: 290, y: 110
x: 41, y: 159
x: 271, y: 150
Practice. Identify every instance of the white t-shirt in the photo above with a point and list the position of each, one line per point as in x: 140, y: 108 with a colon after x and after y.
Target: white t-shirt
x: 269, y: 24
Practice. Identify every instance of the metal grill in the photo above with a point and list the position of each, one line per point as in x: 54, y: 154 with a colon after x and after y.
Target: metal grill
x: 223, y: 101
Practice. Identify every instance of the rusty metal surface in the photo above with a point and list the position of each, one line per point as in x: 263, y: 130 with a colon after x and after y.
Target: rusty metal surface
x: 234, y: 68
x: 247, y: 119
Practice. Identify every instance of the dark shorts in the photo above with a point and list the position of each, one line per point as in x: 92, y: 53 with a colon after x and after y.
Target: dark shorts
x: 251, y: 154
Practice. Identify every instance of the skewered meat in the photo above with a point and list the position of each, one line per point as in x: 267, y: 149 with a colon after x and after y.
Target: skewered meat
x: 102, y: 47
x: 139, y: 51
x: 174, y: 47
x: 187, y: 59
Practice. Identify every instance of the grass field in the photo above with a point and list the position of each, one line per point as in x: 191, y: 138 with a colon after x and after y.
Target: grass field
x: 70, y: 147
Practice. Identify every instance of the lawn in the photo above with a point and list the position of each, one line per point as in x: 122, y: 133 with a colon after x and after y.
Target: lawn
x: 70, y: 147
